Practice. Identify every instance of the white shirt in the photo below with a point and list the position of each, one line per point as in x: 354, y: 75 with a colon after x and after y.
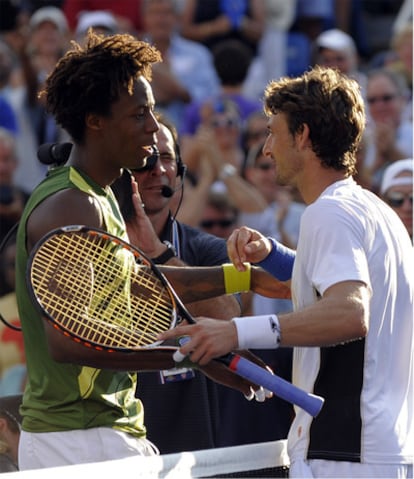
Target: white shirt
x: 348, y: 233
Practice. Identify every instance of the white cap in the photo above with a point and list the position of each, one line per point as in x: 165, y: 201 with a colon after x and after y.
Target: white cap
x: 391, y: 176
x: 96, y: 19
x: 335, y: 39
x: 49, y: 14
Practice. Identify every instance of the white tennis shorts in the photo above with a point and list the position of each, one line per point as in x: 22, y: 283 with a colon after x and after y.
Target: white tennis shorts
x: 54, y: 449
x: 320, y: 469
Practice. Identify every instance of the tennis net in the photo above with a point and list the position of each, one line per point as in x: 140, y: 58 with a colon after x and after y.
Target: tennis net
x: 267, y: 459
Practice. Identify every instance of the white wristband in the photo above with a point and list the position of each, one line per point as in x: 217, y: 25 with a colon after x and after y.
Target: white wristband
x: 258, y: 332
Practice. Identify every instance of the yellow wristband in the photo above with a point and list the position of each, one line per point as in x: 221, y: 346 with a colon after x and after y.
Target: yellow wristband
x: 236, y: 281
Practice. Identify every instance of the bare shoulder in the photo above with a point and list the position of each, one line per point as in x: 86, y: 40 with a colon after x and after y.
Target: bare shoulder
x: 65, y: 207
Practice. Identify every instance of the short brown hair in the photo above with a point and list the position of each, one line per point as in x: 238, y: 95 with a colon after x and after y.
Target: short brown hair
x: 332, y: 106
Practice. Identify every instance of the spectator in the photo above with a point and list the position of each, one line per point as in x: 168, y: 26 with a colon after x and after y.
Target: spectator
x: 49, y: 36
x: 336, y: 49
x: 216, y: 20
x: 10, y: 421
x: 231, y: 61
x: 402, y: 61
x: 271, y: 59
x: 12, y: 356
x: 219, y: 215
x: 314, y: 16
x: 12, y: 198
x: 187, y: 72
x: 397, y: 190
x: 101, y: 21
x: 389, y: 137
x: 219, y: 140
x: 126, y: 12
x: 19, y: 94
x: 48, y: 40
x: 254, y: 131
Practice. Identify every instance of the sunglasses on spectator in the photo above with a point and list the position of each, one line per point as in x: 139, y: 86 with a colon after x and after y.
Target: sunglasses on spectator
x: 225, y: 223
x: 396, y: 199
x: 256, y: 135
x: 225, y: 122
x: 265, y: 166
x: 383, y: 98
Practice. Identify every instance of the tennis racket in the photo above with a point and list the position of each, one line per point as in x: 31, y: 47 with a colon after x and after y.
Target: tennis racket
x: 106, y: 294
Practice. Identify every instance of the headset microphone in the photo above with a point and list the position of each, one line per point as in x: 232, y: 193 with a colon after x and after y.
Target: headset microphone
x: 167, y: 191
x: 54, y: 153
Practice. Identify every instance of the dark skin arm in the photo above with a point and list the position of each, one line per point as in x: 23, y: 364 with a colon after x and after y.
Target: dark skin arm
x: 53, y: 213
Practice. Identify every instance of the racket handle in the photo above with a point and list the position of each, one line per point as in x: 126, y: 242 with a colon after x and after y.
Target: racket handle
x: 177, y: 356
x: 311, y: 403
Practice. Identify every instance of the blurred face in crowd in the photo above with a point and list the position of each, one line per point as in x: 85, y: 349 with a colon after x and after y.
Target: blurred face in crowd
x: 160, y: 19
x: 343, y: 60
x: 262, y: 175
x: 8, y: 162
x: 227, y: 128
x: 385, y: 102
x: 400, y: 198
x: 218, y: 221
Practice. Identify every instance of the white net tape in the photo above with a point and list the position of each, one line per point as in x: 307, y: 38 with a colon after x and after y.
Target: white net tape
x: 252, y: 460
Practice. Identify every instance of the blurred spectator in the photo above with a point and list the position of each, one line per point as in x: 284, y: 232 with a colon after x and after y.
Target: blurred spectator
x: 231, y: 61
x: 126, y: 12
x: 255, y: 130
x: 8, y: 119
x: 210, y: 22
x: 18, y: 86
x: 187, y: 72
x: 389, y: 136
x: 404, y: 16
x: 219, y: 140
x: 101, y: 21
x: 10, y: 421
x: 12, y: 356
x: 397, y: 190
x: 314, y: 16
x: 402, y: 61
x: 219, y: 215
x: 49, y: 35
x: 12, y: 198
x: 336, y: 49
x: 270, y: 62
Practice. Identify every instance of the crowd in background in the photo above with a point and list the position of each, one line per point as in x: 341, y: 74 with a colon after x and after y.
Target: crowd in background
x: 217, y: 59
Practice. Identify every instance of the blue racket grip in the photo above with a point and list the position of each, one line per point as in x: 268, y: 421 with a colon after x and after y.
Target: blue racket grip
x: 311, y: 403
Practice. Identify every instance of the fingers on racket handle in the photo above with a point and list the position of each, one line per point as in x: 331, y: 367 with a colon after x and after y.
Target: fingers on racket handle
x: 311, y: 403
x: 178, y: 356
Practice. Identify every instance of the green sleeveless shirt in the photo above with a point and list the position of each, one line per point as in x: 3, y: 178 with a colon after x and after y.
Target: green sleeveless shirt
x: 63, y: 396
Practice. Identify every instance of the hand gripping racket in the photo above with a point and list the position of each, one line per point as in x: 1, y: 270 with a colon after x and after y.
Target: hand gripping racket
x: 106, y: 294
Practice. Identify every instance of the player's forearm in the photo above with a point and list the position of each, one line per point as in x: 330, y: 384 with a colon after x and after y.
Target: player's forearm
x: 198, y: 283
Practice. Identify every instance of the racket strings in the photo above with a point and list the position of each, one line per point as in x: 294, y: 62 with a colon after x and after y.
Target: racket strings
x: 99, y: 291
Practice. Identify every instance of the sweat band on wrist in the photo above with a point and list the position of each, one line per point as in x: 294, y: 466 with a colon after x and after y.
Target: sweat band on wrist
x: 279, y: 262
x: 236, y: 281
x: 258, y: 332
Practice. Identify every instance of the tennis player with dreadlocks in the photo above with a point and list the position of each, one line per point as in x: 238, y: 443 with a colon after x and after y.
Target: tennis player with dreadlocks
x: 79, y: 403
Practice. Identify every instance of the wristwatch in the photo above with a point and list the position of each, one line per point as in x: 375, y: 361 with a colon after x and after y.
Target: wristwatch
x: 227, y: 171
x: 169, y: 253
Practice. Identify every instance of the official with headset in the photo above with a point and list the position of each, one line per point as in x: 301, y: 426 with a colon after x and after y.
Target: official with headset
x: 176, y: 400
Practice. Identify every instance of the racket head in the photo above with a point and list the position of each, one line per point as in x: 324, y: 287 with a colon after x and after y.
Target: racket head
x: 99, y: 289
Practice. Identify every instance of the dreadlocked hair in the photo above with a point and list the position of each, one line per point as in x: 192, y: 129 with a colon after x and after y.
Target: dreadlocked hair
x: 331, y: 105
x: 89, y: 79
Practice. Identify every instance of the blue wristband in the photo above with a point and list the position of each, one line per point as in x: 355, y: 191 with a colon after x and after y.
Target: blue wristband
x: 279, y: 262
